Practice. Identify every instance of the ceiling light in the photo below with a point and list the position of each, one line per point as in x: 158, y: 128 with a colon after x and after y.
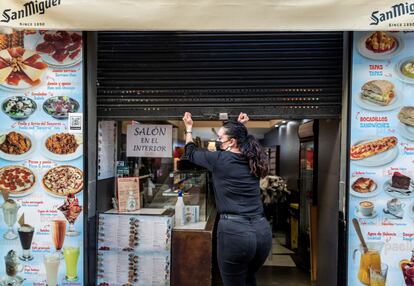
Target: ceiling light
x: 284, y: 121
x: 276, y: 126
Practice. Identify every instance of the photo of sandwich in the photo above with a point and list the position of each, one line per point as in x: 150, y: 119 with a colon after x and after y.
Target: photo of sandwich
x: 406, y: 115
x: 380, y: 92
x: 406, y: 125
x: 365, y: 149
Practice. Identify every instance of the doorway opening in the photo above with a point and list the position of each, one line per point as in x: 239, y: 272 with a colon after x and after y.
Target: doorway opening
x: 289, y: 193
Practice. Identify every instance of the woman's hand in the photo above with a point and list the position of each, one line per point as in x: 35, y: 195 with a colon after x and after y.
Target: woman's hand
x: 188, y: 121
x: 243, y: 118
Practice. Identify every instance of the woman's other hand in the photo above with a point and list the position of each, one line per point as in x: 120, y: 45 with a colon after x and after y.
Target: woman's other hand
x: 188, y: 121
x: 243, y: 118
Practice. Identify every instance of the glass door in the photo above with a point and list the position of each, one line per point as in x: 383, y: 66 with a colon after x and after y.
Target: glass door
x: 306, y: 177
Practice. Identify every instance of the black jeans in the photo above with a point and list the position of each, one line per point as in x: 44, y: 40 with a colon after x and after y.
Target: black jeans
x: 242, y: 247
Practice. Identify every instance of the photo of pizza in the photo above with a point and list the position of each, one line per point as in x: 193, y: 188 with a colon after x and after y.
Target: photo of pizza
x: 17, y: 180
x: 63, y: 180
x: 371, y: 148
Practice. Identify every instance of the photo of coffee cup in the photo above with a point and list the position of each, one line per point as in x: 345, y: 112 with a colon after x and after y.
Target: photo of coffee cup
x: 395, y: 206
x: 366, y: 208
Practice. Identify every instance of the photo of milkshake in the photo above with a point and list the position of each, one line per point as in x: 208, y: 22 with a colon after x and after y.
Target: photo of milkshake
x: 51, y: 262
x: 58, y: 234
x: 71, y: 210
x: 71, y: 255
x: 26, y: 236
x: 10, y: 209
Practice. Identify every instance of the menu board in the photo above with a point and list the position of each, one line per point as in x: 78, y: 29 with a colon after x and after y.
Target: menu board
x: 142, y: 242
x: 41, y: 157
x: 381, y: 188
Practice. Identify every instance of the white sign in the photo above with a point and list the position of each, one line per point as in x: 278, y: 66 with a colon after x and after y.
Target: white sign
x: 234, y: 15
x: 144, y: 140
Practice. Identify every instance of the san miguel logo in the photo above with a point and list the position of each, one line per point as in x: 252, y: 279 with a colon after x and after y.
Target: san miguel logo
x: 395, y: 11
x: 30, y: 8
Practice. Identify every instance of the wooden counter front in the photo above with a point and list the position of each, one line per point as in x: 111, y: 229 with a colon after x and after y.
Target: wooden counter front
x: 193, y: 255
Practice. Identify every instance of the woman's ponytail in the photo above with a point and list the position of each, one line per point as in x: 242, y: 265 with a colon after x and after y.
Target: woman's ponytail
x: 256, y: 156
x: 250, y: 147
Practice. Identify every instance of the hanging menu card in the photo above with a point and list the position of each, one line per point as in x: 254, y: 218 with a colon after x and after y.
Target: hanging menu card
x: 381, y: 187
x: 106, y: 149
x: 142, y: 242
x: 41, y: 158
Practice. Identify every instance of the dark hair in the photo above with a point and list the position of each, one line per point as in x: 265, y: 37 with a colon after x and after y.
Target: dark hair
x: 250, y: 147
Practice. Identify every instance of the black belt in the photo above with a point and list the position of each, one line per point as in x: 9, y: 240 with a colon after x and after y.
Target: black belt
x: 241, y: 217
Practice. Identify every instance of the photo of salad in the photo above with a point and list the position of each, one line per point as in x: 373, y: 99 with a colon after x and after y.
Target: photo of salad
x: 19, y: 107
x: 59, y: 106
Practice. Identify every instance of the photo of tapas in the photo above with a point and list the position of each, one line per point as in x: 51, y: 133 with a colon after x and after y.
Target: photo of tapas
x: 17, y: 180
x: 19, y: 107
x: 400, y: 186
x: 374, y: 152
x: 61, y: 48
x: 12, y: 39
x: 405, y: 70
x: 63, y: 180
x: 20, y: 69
x: 16, y: 145
x: 380, y: 45
x: 379, y: 95
x: 62, y: 146
x: 364, y: 187
x: 59, y: 106
x: 406, y: 122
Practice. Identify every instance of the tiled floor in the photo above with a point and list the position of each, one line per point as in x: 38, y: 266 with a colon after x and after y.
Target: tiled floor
x: 280, y: 269
x: 286, y: 276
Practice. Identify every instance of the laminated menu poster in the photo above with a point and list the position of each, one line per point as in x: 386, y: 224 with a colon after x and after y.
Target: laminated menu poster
x: 142, y: 242
x: 41, y: 157
x: 381, y: 186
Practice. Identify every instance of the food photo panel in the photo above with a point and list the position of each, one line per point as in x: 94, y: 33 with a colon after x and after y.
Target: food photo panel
x: 41, y: 157
x: 381, y: 157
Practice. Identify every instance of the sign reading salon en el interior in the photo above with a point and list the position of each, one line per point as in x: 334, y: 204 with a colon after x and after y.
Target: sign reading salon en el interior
x: 152, y: 15
x: 147, y: 140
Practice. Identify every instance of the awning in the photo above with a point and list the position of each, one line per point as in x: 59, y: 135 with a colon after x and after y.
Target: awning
x: 211, y: 15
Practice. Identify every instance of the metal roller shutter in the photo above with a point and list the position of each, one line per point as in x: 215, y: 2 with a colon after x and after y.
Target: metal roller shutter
x: 163, y: 74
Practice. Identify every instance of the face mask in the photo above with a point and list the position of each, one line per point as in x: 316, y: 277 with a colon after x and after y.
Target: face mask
x: 219, y: 144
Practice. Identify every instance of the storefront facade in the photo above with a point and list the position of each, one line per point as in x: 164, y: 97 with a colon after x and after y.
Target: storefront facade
x: 203, y: 72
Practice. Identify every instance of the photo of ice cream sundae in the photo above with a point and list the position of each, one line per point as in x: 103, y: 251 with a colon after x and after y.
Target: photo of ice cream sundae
x: 71, y: 210
x: 13, y: 267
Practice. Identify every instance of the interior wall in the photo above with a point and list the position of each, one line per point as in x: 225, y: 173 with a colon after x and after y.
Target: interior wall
x: 328, y: 200
x: 287, y: 137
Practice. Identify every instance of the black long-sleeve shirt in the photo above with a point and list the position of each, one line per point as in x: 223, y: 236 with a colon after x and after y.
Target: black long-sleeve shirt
x: 237, y: 191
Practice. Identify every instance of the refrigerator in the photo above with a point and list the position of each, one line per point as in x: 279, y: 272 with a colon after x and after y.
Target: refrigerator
x: 308, y: 137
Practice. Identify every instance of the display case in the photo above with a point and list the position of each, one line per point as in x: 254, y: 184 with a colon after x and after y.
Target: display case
x: 198, y: 200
